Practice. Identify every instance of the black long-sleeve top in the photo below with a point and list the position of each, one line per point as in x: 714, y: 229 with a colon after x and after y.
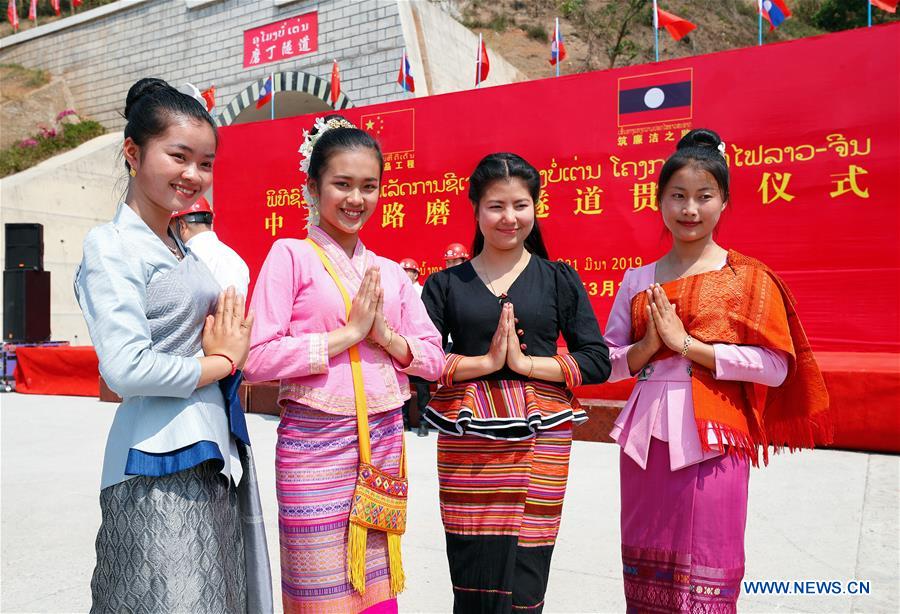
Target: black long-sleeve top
x: 548, y: 299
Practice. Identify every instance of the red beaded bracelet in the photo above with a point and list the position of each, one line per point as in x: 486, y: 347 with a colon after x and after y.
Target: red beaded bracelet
x: 233, y: 365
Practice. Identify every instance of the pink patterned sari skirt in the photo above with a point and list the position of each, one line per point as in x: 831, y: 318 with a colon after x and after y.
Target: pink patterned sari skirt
x: 316, y: 460
x: 683, y: 533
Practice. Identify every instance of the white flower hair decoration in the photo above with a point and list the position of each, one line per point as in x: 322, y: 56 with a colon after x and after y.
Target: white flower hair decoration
x: 721, y: 148
x: 310, y: 137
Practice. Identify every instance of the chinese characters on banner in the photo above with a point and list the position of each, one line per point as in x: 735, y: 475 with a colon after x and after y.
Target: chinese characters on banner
x: 281, y: 40
x: 814, y: 187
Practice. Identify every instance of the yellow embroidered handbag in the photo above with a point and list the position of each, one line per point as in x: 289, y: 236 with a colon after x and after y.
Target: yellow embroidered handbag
x: 379, y: 499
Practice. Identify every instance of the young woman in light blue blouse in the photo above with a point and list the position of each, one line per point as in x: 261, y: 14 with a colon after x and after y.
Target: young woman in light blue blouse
x: 177, y: 472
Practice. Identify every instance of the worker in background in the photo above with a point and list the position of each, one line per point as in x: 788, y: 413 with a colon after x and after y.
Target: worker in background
x: 194, y: 227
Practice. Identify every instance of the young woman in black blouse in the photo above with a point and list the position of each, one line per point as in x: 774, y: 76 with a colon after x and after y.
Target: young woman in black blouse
x: 505, y: 408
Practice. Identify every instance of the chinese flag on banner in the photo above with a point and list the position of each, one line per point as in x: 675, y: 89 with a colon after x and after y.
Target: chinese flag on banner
x: 395, y: 131
x: 677, y: 26
x: 886, y: 5
x: 32, y: 10
x: 335, y: 83
x: 55, y: 5
x: 209, y: 95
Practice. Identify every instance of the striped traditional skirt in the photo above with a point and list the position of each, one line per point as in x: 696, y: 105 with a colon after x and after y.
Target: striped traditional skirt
x: 316, y: 461
x: 170, y: 544
x: 501, y: 503
x: 683, y: 533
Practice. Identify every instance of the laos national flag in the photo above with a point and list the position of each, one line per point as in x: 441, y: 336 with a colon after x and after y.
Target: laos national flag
x: 265, y: 93
x: 404, y: 78
x: 774, y: 11
x: 656, y: 98
x: 557, y: 47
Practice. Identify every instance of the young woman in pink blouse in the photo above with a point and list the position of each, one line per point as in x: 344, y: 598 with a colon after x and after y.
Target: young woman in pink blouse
x: 301, y: 338
x: 723, y: 369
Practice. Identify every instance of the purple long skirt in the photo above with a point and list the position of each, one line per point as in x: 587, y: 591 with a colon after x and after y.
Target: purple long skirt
x: 683, y: 533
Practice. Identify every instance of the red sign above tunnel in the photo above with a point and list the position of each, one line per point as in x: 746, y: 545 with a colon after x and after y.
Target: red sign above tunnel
x: 281, y: 40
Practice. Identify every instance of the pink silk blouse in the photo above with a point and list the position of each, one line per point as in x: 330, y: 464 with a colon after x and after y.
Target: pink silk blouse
x: 296, y: 303
x: 661, y: 404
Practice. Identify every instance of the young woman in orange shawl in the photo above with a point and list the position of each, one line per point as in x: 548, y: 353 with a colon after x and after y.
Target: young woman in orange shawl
x: 724, y: 369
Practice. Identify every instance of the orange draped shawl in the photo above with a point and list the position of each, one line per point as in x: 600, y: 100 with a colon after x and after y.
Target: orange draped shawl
x: 746, y: 303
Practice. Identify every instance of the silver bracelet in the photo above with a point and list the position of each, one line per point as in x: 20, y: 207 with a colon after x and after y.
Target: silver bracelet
x: 687, y: 344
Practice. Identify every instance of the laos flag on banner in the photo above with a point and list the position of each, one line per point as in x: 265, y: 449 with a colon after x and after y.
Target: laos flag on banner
x: 655, y: 97
x: 774, y: 11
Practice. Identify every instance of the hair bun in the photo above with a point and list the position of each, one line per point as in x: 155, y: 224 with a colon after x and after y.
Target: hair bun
x: 701, y: 138
x: 140, y: 89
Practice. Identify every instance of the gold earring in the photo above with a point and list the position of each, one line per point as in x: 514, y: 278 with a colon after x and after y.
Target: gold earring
x: 132, y: 172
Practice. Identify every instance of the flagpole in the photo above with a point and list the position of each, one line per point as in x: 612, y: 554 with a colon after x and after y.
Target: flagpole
x: 556, y: 35
x: 655, y: 31
x: 759, y: 21
x: 272, y: 76
x: 478, y: 64
x: 869, y: 3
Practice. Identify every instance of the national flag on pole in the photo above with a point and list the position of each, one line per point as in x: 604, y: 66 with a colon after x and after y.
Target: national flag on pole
x: 404, y: 78
x: 774, y: 11
x: 209, y: 95
x: 335, y: 83
x: 32, y: 11
x: 482, y: 63
x: 12, y: 14
x: 265, y: 93
x: 557, y: 46
x: 55, y: 5
x: 885, y: 5
x: 676, y: 26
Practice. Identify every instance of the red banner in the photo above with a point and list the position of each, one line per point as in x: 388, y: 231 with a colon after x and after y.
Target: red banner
x: 281, y: 40
x: 812, y: 133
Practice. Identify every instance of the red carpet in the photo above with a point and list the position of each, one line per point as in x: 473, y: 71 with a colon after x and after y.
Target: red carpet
x: 865, y: 396
x: 57, y: 370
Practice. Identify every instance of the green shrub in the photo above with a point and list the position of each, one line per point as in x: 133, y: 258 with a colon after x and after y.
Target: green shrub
x: 28, y: 152
x: 537, y: 32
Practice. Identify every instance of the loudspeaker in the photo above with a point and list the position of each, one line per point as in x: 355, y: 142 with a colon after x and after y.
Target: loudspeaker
x: 25, y: 246
x: 26, y: 305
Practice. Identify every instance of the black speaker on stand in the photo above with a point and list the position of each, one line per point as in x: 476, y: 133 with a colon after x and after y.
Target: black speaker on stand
x: 26, y: 285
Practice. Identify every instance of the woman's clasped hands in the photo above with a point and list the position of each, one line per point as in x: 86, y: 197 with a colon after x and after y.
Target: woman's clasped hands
x: 506, y: 348
x: 227, y: 333
x: 664, y: 326
x: 366, y: 319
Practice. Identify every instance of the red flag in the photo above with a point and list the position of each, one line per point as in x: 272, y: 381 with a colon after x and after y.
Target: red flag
x: 886, y: 5
x: 209, y: 95
x: 483, y: 63
x: 76, y: 3
x: 55, y: 5
x: 335, y: 83
x: 12, y: 15
x: 32, y: 11
x: 674, y: 25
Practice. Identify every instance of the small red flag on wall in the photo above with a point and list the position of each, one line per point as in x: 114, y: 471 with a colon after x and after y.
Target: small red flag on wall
x: 335, y: 83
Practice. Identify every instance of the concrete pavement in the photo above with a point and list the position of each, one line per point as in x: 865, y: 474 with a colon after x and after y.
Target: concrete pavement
x: 816, y: 516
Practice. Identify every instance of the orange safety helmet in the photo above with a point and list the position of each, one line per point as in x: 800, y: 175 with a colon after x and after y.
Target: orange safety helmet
x: 408, y: 264
x: 456, y: 250
x: 201, y: 206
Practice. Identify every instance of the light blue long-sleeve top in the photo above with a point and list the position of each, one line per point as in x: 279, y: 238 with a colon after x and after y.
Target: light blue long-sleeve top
x: 145, y: 311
